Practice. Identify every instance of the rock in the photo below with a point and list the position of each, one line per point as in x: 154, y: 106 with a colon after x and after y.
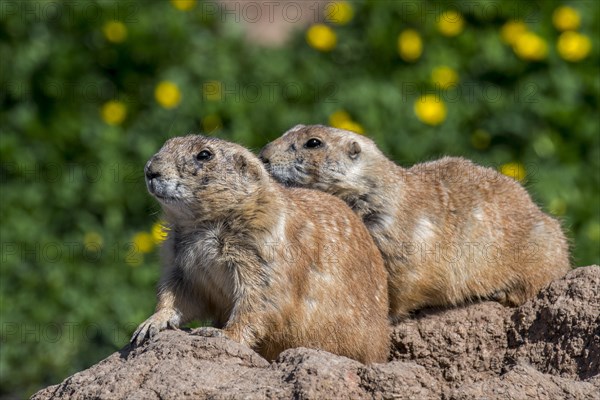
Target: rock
x: 457, y: 346
x: 559, y: 331
x: 175, y: 365
x: 399, y: 380
x: 546, y: 349
x: 525, y: 382
x: 316, y: 374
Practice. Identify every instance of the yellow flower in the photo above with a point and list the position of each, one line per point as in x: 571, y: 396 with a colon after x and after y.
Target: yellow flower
x: 159, y: 232
x: 342, y: 120
x: 167, y: 94
x: 115, y: 31
x: 444, y: 77
x: 339, y: 12
x: 410, y: 45
x: 450, y: 23
x: 430, y: 109
x: 512, y: 30
x: 211, y: 123
x: 480, y: 139
x: 143, y: 242
x: 113, y: 112
x: 558, y: 206
x: 92, y: 241
x: 514, y: 169
x: 351, y: 126
x: 573, y: 46
x: 566, y: 19
x: 212, y: 90
x: 530, y: 46
x: 338, y: 118
x: 183, y: 5
x: 321, y: 37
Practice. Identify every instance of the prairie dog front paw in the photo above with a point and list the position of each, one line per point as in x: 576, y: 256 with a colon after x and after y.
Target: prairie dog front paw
x: 157, y: 322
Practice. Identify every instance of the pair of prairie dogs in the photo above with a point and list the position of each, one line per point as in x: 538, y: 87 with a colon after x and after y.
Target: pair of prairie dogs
x: 278, y: 267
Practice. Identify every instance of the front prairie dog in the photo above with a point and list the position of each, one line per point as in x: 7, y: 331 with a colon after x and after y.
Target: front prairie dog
x: 449, y: 230
x: 274, y: 267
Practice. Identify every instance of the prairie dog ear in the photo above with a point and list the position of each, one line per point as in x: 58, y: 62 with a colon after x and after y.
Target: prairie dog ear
x: 247, y: 167
x: 354, y: 149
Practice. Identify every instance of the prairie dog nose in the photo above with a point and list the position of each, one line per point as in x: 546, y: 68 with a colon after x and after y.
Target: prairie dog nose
x: 149, y: 171
x: 263, y: 155
x: 264, y: 159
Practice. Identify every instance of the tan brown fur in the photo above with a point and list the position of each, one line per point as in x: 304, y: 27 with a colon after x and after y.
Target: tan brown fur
x: 274, y: 267
x: 449, y: 230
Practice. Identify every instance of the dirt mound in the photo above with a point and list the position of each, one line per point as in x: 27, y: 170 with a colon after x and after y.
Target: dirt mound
x: 547, y: 349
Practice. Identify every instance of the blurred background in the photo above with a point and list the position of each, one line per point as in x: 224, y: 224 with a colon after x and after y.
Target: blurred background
x: 91, y: 89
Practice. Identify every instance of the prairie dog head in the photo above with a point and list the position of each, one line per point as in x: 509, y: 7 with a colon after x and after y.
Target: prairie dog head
x: 320, y: 157
x: 200, y: 177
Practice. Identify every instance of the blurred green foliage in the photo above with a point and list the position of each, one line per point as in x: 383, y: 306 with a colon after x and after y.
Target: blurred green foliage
x: 82, y: 111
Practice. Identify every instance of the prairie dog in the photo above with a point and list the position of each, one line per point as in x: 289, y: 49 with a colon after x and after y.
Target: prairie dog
x: 449, y: 230
x: 274, y: 267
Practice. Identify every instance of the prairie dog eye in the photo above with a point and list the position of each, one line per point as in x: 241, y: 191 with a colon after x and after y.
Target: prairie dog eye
x: 313, y: 143
x: 204, y: 155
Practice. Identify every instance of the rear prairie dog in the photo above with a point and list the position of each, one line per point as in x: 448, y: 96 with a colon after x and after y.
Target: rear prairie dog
x: 274, y: 267
x: 449, y: 230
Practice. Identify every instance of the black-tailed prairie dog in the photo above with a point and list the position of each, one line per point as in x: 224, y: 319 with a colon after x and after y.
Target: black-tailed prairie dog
x: 274, y: 267
x: 449, y: 230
